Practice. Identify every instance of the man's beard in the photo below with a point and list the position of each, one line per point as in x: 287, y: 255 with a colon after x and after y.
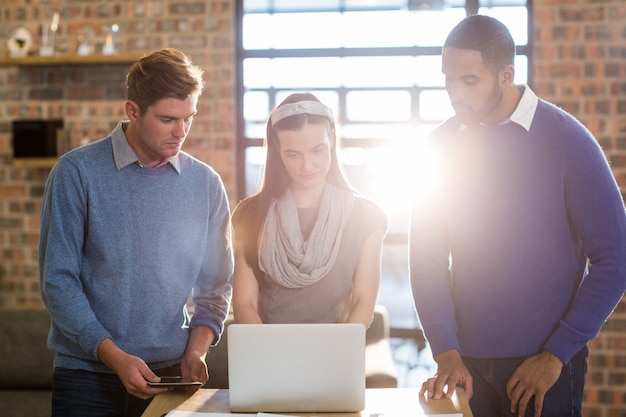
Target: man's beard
x: 470, y: 117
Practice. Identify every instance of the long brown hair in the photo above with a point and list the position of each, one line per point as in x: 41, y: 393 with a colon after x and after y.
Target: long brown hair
x: 249, y: 215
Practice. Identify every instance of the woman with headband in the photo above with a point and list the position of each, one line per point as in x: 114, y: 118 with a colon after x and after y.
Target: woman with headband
x: 307, y: 247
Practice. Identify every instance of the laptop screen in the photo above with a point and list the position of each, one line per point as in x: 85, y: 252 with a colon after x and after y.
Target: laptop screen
x: 296, y: 367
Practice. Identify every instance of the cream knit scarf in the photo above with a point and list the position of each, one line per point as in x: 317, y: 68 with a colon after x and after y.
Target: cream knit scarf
x: 284, y: 254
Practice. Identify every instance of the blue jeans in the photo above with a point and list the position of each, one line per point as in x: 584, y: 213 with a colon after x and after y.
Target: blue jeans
x: 78, y: 393
x: 490, y: 377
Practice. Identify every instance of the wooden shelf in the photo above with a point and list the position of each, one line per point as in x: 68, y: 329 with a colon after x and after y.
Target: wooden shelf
x: 71, y: 59
x: 47, y: 162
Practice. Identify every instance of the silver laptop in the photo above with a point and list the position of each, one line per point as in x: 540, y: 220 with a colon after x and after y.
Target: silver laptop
x: 296, y: 367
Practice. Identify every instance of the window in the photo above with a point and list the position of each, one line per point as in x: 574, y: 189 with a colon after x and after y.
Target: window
x: 376, y: 63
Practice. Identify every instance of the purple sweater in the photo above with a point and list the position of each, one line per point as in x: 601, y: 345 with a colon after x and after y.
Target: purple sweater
x: 499, y: 252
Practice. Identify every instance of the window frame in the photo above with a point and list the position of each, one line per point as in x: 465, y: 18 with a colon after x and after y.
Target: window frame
x: 244, y: 142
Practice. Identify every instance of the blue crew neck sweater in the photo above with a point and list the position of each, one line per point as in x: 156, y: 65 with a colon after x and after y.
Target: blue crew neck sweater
x: 499, y: 253
x: 121, y: 252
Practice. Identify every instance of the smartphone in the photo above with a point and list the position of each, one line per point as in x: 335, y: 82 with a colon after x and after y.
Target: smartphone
x: 174, y: 381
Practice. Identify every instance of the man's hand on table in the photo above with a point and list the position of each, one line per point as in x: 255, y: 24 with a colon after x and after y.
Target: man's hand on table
x: 451, y: 371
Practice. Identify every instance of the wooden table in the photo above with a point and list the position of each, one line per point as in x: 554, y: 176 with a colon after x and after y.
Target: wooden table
x: 378, y: 401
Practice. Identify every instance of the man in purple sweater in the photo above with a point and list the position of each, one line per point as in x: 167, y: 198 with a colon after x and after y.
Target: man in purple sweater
x: 518, y: 257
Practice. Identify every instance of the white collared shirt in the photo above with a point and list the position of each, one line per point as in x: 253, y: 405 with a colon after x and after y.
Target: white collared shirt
x: 524, y: 112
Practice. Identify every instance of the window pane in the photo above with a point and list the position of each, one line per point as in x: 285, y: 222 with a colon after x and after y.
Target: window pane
x: 292, y: 73
x: 305, y: 4
x: 395, y: 293
x: 294, y: 30
x: 428, y: 71
x: 378, y: 28
x: 256, y: 106
x: 375, y: 131
x: 255, y: 33
x: 521, y: 69
x: 393, y: 176
x: 396, y: 71
x: 305, y: 73
x: 434, y: 105
x: 255, y: 130
x: 305, y: 30
x: 255, y: 161
x: 432, y: 27
x: 255, y: 5
x: 250, y: 6
x: 378, y: 106
x: 367, y: 29
x: 256, y: 72
x: 360, y: 4
x: 351, y: 156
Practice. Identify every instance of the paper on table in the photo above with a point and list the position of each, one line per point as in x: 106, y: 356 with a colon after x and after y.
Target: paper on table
x: 272, y: 415
x: 178, y: 413
x: 445, y: 415
x: 411, y: 414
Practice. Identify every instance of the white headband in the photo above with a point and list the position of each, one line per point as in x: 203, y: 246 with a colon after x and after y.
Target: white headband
x: 301, y: 107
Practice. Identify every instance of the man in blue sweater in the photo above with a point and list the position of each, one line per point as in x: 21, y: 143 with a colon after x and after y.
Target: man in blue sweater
x: 131, y: 228
x: 518, y: 258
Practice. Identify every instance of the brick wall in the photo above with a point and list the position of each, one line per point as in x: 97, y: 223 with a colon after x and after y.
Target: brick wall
x: 579, y: 64
x: 90, y: 99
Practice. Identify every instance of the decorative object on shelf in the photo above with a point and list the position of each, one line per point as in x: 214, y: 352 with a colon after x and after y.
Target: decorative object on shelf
x: 20, y: 42
x: 48, y: 35
x: 109, y: 42
x: 85, y: 39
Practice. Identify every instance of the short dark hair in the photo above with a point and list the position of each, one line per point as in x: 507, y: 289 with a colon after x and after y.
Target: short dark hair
x: 167, y: 73
x: 487, y: 35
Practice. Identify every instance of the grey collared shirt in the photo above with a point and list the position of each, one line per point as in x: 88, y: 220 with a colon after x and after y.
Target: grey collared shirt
x: 123, y: 154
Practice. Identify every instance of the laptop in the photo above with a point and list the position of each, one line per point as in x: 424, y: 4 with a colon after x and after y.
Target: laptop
x: 296, y: 368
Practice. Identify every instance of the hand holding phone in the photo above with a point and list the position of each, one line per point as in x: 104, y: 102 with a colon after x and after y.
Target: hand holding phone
x: 174, y: 382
